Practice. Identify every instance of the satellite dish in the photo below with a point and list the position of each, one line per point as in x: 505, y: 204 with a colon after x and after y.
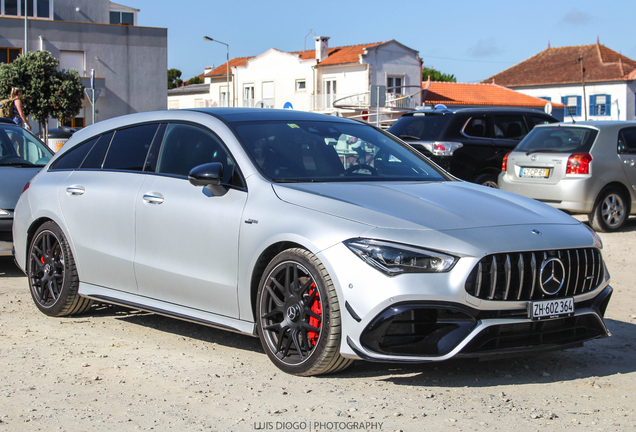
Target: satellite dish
x: 548, y: 108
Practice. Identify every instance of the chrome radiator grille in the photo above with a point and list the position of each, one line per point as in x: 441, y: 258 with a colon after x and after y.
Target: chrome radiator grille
x: 536, y: 275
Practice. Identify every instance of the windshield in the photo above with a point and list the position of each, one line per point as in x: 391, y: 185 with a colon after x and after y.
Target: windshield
x: 20, y: 148
x: 418, y: 126
x: 306, y: 151
x: 558, y: 139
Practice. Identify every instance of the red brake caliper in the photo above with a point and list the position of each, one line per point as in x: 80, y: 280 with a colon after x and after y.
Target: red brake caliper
x: 316, y: 307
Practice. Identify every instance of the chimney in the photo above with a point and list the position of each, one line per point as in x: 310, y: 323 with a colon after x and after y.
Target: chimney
x: 322, y: 47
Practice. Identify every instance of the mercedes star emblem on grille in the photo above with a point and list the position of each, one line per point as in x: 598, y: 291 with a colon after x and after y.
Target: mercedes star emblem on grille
x: 552, y: 276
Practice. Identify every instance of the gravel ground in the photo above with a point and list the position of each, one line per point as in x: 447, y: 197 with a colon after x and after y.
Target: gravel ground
x: 120, y: 369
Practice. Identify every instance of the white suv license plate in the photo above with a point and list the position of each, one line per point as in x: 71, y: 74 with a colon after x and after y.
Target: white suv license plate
x: 548, y: 309
x: 535, y: 172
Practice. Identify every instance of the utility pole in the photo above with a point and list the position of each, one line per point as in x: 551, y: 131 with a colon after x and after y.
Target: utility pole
x: 583, y: 83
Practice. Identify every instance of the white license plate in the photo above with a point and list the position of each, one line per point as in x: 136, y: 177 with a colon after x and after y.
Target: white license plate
x: 546, y: 309
x: 535, y: 172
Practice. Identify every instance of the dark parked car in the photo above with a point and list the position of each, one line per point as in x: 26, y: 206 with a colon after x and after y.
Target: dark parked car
x: 22, y: 155
x: 470, y: 143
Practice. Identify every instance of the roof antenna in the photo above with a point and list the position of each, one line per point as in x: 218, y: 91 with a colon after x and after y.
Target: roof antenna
x: 305, y: 42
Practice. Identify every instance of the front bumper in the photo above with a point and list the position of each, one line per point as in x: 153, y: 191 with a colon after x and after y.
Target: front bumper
x: 6, y: 238
x: 422, y: 332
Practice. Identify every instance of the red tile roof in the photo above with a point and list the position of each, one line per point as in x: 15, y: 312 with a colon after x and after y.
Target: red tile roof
x: 478, y: 94
x: 337, y: 55
x: 561, y: 66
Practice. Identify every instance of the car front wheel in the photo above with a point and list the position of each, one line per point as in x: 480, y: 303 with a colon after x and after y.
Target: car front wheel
x: 488, y: 180
x: 610, y: 211
x: 52, y: 274
x: 298, y: 316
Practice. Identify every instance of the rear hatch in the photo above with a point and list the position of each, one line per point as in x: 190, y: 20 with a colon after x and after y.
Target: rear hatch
x: 549, y: 153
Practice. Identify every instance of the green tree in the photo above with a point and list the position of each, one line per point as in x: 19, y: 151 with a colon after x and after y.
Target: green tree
x: 47, y: 92
x: 174, y: 78
x: 195, y: 80
x: 437, y: 75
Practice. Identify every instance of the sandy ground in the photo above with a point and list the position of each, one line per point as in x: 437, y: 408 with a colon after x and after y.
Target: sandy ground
x: 117, y: 369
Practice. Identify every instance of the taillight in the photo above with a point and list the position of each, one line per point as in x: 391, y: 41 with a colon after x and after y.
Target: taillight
x: 26, y: 186
x: 504, y: 163
x: 579, y: 163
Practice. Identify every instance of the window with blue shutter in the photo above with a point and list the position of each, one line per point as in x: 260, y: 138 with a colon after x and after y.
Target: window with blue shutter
x: 573, y: 103
x: 600, y: 105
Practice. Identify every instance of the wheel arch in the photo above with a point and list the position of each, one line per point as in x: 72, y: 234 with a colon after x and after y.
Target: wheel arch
x: 261, y: 263
x: 31, y: 232
x: 620, y: 186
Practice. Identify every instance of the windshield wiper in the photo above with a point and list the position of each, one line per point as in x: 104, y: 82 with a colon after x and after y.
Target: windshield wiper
x: 410, y: 137
x: 542, y: 150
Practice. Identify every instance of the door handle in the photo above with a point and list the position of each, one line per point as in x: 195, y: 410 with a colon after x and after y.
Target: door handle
x: 153, y: 198
x: 75, y: 190
x: 629, y: 162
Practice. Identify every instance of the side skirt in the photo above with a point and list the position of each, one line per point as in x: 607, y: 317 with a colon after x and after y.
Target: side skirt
x: 172, y: 310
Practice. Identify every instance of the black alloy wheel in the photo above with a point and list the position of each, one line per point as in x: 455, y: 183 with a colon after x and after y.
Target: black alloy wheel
x: 52, y: 274
x: 298, y: 317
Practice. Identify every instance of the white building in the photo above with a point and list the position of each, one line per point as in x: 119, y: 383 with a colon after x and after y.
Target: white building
x: 312, y: 80
x: 594, y: 82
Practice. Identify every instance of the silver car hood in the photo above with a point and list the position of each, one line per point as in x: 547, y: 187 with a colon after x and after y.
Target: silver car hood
x: 13, y: 179
x: 436, y: 206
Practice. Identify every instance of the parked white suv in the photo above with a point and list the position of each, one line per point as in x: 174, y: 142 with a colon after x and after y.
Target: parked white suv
x: 585, y: 167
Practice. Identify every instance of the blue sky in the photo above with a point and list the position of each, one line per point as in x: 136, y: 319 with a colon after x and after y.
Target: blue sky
x: 472, y: 40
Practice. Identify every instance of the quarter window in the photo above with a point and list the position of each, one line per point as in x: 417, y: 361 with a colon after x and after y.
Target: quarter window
x: 478, y: 127
x: 600, y: 105
x: 73, y: 158
x: 509, y: 127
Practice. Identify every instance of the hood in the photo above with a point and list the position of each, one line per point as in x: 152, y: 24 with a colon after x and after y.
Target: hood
x: 13, y: 179
x: 426, y: 206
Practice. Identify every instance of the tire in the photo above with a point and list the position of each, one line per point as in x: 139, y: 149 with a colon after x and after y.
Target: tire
x: 487, y: 180
x: 298, y: 316
x: 52, y: 274
x: 610, y: 211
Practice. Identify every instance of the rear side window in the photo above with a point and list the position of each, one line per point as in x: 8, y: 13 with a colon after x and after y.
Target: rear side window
x: 95, y: 157
x: 129, y: 148
x: 509, y: 127
x: 558, y: 140
x: 478, y: 127
x: 627, y: 141
x: 423, y: 127
x: 535, y: 120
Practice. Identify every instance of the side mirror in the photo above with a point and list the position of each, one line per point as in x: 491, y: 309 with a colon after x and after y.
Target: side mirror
x: 209, y: 176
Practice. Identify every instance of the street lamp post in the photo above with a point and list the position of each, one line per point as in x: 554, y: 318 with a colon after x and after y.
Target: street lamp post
x: 227, y: 63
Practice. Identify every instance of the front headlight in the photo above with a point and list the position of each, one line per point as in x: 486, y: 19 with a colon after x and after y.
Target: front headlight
x: 394, y: 258
x: 3, y: 212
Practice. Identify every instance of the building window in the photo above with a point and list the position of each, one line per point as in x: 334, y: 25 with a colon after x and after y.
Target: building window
x: 330, y: 92
x: 268, y: 94
x: 548, y: 98
x: 248, y: 95
x: 574, y: 105
x: 124, y: 18
x: 394, y: 85
x: 72, y: 60
x: 600, y: 105
x: 301, y: 85
x: 7, y: 55
x: 224, y: 97
x: 173, y: 104
x: 42, y: 8
x: 76, y: 123
x: 198, y: 103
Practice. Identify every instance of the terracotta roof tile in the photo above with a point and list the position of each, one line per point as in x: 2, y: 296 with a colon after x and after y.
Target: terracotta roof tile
x: 337, y: 55
x: 478, y: 94
x: 561, y: 66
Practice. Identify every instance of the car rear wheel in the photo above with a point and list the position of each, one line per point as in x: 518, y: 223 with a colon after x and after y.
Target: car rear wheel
x: 52, y: 274
x: 488, y: 180
x: 298, y: 316
x: 610, y: 211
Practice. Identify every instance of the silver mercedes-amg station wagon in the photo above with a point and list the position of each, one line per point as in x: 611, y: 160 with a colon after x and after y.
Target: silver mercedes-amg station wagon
x: 328, y: 238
